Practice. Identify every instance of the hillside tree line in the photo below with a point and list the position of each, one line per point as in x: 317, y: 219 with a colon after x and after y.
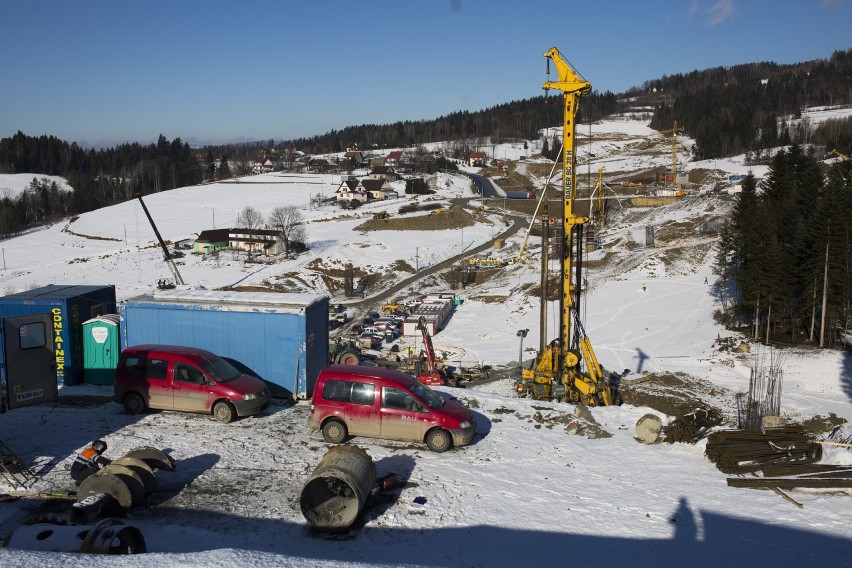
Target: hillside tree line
x: 745, y: 108
x: 99, y: 177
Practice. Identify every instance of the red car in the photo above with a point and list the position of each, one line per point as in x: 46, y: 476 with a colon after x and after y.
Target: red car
x: 170, y: 377
x: 375, y: 402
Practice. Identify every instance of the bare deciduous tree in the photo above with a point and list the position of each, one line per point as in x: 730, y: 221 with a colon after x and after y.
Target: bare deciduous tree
x: 250, y: 219
x: 289, y: 222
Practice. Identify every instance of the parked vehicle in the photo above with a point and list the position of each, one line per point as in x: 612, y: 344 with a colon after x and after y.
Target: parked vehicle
x: 369, y: 341
x: 170, y: 377
x: 356, y: 329
x: 383, y: 403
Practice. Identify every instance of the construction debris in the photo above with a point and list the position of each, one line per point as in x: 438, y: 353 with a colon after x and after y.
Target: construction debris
x: 789, y: 482
x: 109, y: 536
x: 694, y: 425
x: 743, y: 451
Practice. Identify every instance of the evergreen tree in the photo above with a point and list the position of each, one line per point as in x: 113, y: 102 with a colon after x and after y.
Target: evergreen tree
x: 224, y: 170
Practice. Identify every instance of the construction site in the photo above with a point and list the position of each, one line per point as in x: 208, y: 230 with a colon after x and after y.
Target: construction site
x: 581, y: 329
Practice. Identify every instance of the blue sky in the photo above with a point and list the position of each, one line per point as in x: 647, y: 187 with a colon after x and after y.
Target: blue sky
x: 103, y: 72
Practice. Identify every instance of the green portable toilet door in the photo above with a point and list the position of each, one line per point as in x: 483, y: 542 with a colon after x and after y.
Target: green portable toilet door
x: 100, y: 351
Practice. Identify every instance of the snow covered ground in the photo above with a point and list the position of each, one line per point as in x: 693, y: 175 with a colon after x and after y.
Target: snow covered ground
x: 542, y: 484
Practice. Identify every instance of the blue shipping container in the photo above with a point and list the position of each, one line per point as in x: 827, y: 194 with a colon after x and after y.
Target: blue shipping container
x: 69, y: 306
x: 280, y: 338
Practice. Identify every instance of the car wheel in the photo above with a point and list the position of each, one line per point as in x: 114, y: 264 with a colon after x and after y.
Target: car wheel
x: 334, y: 432
x: 224, y: 412
x: 133, y: 403
x: 439, y: 440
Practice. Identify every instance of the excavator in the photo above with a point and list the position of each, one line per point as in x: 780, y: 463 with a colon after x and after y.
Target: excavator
x: 557, y: 372
x: 427, y: 370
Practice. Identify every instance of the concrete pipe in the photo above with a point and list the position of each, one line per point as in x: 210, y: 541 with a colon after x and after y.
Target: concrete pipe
x: 109, y: 536
x: 336, y: 491
x: 108, y: 484
x: 153, y: 457
x: 149, y: 478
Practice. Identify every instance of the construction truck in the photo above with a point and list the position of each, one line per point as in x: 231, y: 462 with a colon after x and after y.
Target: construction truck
x: 557, y: 372
x: 486, y: 262
x: 393, y: 306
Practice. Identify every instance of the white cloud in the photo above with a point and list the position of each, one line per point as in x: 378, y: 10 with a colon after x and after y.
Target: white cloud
x: 720, y: 12
x: 694, y: 8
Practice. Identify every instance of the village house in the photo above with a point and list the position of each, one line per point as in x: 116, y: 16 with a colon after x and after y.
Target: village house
x: 321, y: 165
x: 476, y: 159
x: 254, y: 241
x: 393, y: 159
x: 211, y: 241
x: 263, y: 166
x: 351, y: 189
x: 377, y: 189
x: 383, y: 172
x: 354, y: 158
x: 257, y: 241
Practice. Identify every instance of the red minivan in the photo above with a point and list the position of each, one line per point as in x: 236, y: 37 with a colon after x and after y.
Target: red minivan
x: 383, y: 403
x: 170, y: 377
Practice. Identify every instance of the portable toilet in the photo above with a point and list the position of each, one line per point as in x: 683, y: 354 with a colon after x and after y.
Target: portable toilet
x: 101, y: 349
x: 68, y: 306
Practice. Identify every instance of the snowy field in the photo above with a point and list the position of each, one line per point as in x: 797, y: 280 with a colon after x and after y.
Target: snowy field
x: 541, y: 485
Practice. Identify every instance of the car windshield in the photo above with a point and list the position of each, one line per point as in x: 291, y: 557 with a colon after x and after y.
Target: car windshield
x: 219, y: 369
x: 427, y: 395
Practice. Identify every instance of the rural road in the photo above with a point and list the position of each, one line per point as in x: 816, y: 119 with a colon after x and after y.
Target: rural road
x: 518, y: 221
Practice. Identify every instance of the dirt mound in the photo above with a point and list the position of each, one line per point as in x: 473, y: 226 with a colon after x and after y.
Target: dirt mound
x: 677, y: 394
x: 454, y: 218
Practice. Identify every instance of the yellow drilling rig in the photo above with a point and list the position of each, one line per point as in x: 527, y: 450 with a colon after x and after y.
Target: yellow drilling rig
x: 558, y: 370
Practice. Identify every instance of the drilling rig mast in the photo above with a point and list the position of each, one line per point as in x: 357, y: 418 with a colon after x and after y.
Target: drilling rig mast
x: 557, y: 371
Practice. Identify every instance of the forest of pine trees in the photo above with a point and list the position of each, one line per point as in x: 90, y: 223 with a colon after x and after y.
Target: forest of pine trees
x: 740, y: 109
x: 99, y: 178
x: 785, y: 258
